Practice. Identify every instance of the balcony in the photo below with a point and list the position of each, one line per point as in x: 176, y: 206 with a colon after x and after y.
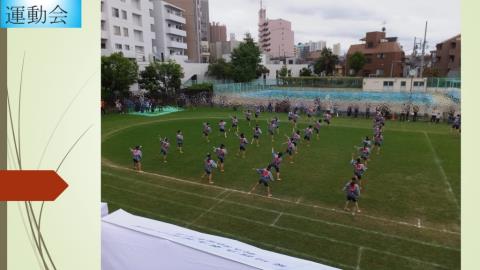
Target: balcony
x: 177, y: 45
x: 175, y: 18
x: 175, y: 31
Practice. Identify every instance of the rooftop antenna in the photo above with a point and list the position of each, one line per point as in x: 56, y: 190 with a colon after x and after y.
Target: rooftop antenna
x: 383, y: 26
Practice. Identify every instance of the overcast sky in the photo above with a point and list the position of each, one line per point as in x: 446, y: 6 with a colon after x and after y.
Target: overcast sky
x: 345, y: 21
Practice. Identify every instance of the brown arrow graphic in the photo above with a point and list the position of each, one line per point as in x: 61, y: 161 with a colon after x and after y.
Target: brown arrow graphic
x: 30, y: 185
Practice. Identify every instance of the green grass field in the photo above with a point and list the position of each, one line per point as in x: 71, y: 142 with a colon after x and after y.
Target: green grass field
x: 410, y: 205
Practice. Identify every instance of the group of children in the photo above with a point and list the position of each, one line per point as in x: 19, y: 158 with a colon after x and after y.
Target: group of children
x: 359, y: 163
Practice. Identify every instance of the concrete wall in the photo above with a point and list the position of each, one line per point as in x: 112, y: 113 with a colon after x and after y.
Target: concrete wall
x: 378, y: 84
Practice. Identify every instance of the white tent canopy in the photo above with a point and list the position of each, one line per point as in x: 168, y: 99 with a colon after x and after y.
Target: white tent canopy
x: 131, y: 242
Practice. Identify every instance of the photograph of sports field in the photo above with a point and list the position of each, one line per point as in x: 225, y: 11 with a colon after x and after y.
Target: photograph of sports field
x: 410, y: 199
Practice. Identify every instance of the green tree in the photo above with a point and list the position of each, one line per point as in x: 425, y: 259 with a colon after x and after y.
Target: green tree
x: 356, y: 61
x: 305, y: 72
x: 283, y: 72
x: 326, y: 63
x: 245, y: 60
x: 220, y: 69
x: 161, y: 78
x: 261, y: 69
x: 118, y: 74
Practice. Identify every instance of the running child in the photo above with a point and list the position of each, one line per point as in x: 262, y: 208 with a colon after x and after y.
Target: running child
x: 367, y: 142
x: 296, y: 139
x: 378, y: 141
x: 358, y: 168
x: 137, y: 157
x: 276, y: 161
x: 291, y: 148
x: 327, y: 117
x: 221, y: 126
x: 257, y: 131
x: 257, y: 113
x: 243, y: 145
x: 295, y: 118
x: 352, y: 192
x: 164, y: 146
x: 317, y: 127
x: 364, y: 153
x: 180, y: 141
x: 206, y: 130
x: 209, y: 164
x: 456, y: 123
x: 221, y: 152
x: 248, y: 117
x: 271, y: 128
x: 235, y: 124
x: 265, y: 178
x: 308, y: 134
x: 277, y: 124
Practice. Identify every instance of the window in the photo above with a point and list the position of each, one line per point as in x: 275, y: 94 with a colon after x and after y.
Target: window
x: 127, y: 47
x: 137, y: 19
x: 138, y: 35
x: 387, y: 83
x: 418, y: 83
x: 118, y: 46
x: 102, y: 24
x: 124, y: 14
x: 125, y: 32
x: 151, y: 12
x: 403, y: 83
x: 381, y: 56
x: 101, y: 6
x: 152, y: 27
x: 136, y: 4
x: 115, y: 12
x: 116, y: 30
x: 139, y: 49
x: 103, y: 43
x: 379, y: 72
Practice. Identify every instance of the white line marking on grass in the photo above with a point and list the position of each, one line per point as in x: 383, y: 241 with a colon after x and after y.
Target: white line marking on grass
x: 208, y: 210
x: 275, y: 226
x: 298, y: 200
x: 442, y: 171
x: 359, y: 258
x: 276, y: 219
x: 170, y: 178
x: 419, y: 223
x: 288, y: 214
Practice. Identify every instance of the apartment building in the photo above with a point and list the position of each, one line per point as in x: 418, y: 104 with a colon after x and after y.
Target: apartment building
x: 197, y: 50
x: 127, y: 27
x: 275, y: 37
x: 218, y: 32
x: 169, y: 29
x: 336, y: 49
x: 385, y: 57
x: 447, y: 57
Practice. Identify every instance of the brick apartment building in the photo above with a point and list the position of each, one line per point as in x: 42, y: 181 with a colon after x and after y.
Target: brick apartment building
x: 385, y: 56
x: 447, y: 57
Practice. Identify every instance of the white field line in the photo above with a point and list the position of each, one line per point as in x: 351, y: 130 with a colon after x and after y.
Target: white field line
x: 234, y: 236
x: 298, y: 200
x: 276, y: 219
x: 359, y: 258
x: 278, y: 227
x: 291, y: 215
x: 385, y: 220
x: 442, y: 171
x: 208, y: 210
x: 419, y: 223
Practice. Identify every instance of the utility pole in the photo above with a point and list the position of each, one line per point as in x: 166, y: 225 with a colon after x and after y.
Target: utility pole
x: 422, y: 63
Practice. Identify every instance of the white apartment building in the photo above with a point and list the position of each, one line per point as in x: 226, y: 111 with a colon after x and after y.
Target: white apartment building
x: 170, y: 33
x: 336, y: 49
x: 127, y: 27
x: 316, y: 46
